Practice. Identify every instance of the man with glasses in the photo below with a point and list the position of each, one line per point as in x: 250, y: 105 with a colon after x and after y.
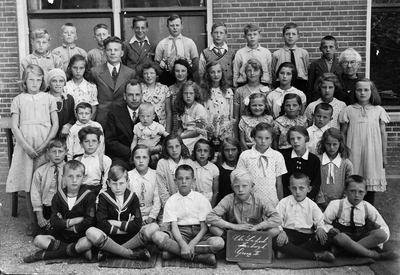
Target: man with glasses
x: 350, y: 62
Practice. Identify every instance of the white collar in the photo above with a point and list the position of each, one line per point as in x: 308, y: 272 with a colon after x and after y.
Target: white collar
x: 134, y: 39
x: 227, y: 167
x: 152, y: 126
x: 305, y: 156
x: 206, y: 167
x: 337, y: 161
x: 248, y: 49
x: 111, y: 67
x: 314, y: 128
x: 180, y: 36
x: 224, y: 46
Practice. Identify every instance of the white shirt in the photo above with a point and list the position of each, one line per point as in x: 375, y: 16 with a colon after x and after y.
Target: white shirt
x: 146, y: 190
x: 186, y: 210
x: 315, y: 135
x: 205, y: 176
x: 93, y: 170
x: 111, y: 67
x: 301, y: 216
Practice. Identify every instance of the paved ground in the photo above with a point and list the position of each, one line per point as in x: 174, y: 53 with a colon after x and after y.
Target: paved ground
x: 14, y: 244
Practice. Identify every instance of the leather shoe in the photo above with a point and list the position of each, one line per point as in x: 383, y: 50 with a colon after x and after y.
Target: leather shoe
x: 208, y: 259
x: 141, y: 254
x: 324, y: 256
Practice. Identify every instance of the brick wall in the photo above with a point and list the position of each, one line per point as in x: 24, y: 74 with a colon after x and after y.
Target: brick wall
x: 9, y: 71
x: 346, y: 20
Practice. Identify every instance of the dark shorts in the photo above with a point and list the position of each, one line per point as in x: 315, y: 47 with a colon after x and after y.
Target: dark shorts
x: 189, y: 232
x: 355, y: 234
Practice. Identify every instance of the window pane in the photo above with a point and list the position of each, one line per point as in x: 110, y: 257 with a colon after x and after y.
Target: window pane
x: 163, y: 3
x: 68, y: 4
x: 385, y: 55
x: 385, y: 1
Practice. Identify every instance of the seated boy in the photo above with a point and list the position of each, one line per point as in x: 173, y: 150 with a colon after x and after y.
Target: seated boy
x: 41, y: 41
x: 68, y: 49
x: 218, y: 51
x: 187, y: 211
x: 72, y: 213
x: 97, y: 164
x: 328, y: 63
x: 322, y: 115
x: 300, y: 216
x: 243, y: 209
x: 356, y: 225
x: 253, y: 49
x: 46, y: 182
x: 147, y: 131
x: 119, y: 221
x: 83, y: 112
x: 97, y: 56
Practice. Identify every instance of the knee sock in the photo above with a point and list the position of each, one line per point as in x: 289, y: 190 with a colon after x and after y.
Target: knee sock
x: 295, y: 251
x: 58, y: 249
x: 170, y: 245
x: 135, y: 242
x: 109, y: 245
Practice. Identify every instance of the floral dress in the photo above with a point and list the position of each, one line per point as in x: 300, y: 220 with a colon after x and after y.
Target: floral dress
x: 194, y: 119
x: 220, y: 119
x: 247, y: 123
x: 158, y: 98
x: 84, y: 92
x: 282, y: 125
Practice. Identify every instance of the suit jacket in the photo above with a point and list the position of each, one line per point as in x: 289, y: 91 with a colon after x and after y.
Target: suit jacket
x: 134, y: 56
x: 317, y: 69
x: 119, y: 133
x: 108, y: 93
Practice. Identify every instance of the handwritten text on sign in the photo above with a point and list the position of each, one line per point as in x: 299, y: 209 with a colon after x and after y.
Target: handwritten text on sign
x: 248, y: 246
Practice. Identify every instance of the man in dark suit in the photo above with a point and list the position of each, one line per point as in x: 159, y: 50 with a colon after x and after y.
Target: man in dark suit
x: 120, y: 122
x: 328, y: 63
x: 110, y: 78
x: 138, y: 50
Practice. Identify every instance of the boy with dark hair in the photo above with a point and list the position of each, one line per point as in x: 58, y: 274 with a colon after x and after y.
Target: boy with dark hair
x: 83, y: 112
x: 356, y: 224
x: 328, y: 63
x: 138, y: 50
x: 187, y: 211
x: 322, y: 116
x: 97, y: 56
x: 253, y: 49
x: 47, y: 180
x: 293, y: 54
x: 68, y: 49
x: 41, y: 41
x: 300, y: 216
x: 97, y: 164
x: 243, y: 209
x: 72, y: 213
x: 218, y: 51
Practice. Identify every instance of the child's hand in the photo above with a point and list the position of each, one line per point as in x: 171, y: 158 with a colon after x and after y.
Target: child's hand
x: 243, y: 226
x: 321, y: 236
x: 41, y: 149
x: 148, y: 220
x: 334, y: 232
x: 42, y: 222
x: 187, y: 252
x: 282, y: 239
x: 31, y: 152
x: 64, y: 131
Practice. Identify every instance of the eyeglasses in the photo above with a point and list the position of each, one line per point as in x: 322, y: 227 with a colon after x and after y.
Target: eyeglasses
x: 352, y: 63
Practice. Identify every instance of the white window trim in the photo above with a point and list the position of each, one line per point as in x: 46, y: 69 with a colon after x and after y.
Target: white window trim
x: 23, y: 27
x: 368, y: 39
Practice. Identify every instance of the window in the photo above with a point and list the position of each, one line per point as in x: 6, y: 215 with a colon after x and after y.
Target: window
x: 385, y: 50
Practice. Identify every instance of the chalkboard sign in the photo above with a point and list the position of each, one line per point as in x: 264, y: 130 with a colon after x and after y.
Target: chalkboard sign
x: 246, y: 246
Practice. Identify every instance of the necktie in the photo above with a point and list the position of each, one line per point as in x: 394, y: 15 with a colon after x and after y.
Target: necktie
x: 352, y: 224
x: 141, y: 44
x: 134, y: 117
x: 220, y: 51
x: 174, y: 49
x: 292, y: 59
x: 114, y: 74
x: 56, y: 175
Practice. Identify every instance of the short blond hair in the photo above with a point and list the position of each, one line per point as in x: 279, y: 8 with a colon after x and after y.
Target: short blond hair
x: 240, y: 174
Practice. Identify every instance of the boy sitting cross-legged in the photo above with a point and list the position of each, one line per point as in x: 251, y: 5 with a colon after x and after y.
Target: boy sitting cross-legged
x: 243, y: 209
x: 72, y: 213
x: 187, y: 211
x: 357, y: 225
x: 46, y: 181
x: 96, y: 163
x: 300, y: 215
x: 119, y: 220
